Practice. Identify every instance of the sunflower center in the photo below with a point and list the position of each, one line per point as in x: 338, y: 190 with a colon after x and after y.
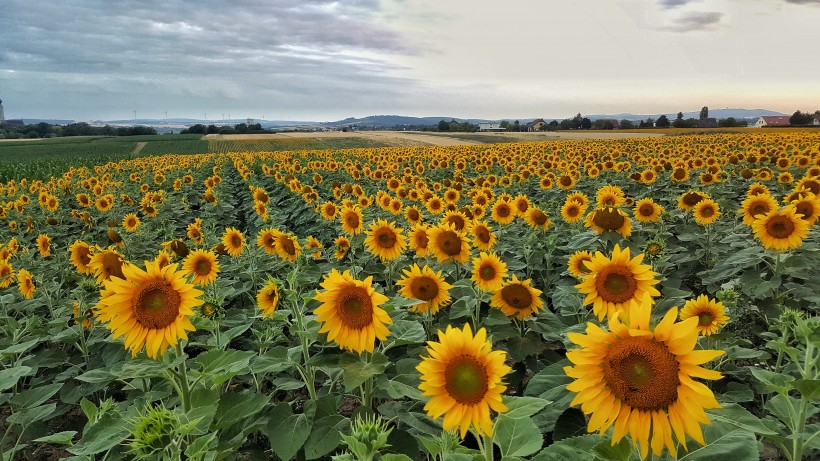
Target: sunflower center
x: 352, y: 221
x: 413, y: 215
x: 705, y: 319
x: 759, y: 208
x: 707, y: 211
x: 573, y: 211
x: 517, y: 296
x: 386, y: 238
x: 806, y: 209
x: 538, y: 217
x: 450, y: 243
x: 466, y: 380
x: 424, y: 288
x: 692, y: 198
x: 355, y: 308
x: 608, y: 219
x: 780, y: 227
x: 487, y: 272
x: 482, y: 234
x: 616, y: 284
x: 202, y: 267
x: 457, y: 221
x: 156, y: 304
x: 503, y: 211
x: 236, y: 241
x: 642, y: 373
x: 646, y: 210
x: 287, y: 245
x: 112, y: 265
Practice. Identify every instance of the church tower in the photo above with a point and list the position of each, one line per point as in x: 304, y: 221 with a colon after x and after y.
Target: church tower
x: 2, y: 115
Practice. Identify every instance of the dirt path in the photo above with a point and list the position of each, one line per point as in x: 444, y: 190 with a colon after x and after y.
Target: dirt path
x: 138, y: 148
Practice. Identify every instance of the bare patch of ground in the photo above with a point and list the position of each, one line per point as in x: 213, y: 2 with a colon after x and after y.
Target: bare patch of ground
x: 138, y: 148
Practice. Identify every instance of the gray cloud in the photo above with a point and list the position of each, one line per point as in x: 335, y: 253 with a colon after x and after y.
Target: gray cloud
x: 696, y: 21
x: 212, y: 52
x: 674, y: 3
x: 804, y: 2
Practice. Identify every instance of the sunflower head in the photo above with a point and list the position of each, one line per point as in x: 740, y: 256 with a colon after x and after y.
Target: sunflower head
x: 234, y: 241
x: 448, y: 244
x: 609, y: 219
x: 385, y: 240
x: 639, y: 380
x: 577, y: 263
x: 489, y: 272
x: 425, y: 285
x: 267, y: 300
x: 463, y: 378
x: 706, y: 211
x: 711, y: 314
x: 202, y: 265
x: 516, y: 298
x: 781, y: 229
x: 350, y: 312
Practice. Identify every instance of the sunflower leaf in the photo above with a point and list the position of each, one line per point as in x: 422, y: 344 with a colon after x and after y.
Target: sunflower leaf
x: 517, y: 436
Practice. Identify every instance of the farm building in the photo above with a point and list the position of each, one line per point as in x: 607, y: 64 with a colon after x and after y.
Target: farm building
x: 490, y: 127
x: 536, y: 125
x: 709, y: 122
x: 772, y: 120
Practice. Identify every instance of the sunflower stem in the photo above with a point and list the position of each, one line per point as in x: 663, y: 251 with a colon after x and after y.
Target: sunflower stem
x: 488, y: 447
x: 309, y: 374
x: 184, y: 388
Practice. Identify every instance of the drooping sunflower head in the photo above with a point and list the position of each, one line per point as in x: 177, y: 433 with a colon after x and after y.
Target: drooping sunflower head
x: 781, y: 229
x: 267, y: 300
x: 6, y: 273
x: 234, y: 241
x: 537, y: 218
x: 202, y: 265
x: 25, y: 283
x: 266, y: 240
x: 609, y: 219
x: 385, y: 240
x: 448, y: 244
x: 577, y: 263
x: 288, y: 247
x: 639, y: 381
x: 489, y: 272
x: 44, y: 245
x: 615, y: 283
x: 517, y: 298
x: 151, y: 307
x: 314, y: 246
x: 342, y: 246
x: 646, y: 210
x: 711, y: 314
x: 425, y: 285
x: 105, y: 264
x: 350, y: 312
x: 463, y: 378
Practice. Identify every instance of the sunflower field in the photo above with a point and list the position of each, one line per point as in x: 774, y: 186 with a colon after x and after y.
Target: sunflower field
x: 563, y: 300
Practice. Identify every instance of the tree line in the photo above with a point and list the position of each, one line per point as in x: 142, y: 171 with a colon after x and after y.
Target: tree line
x: 47, y: 130
x: 239, y: 128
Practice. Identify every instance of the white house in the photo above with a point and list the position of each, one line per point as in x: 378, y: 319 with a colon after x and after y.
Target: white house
x: 490, y: 127
x: 772, y: 120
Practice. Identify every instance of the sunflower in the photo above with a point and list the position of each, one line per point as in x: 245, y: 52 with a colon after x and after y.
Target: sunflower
x: 194, y: 232
x: 202, y: 264
x: 315, y: 246
x: 267, y: 300
x: 781, y: 229
x: 577, y: 263
x: 610, y: 196
x: 756, y: 205
x: 329, y: 211
x: 151, y: 307
x: 489, y: 272
x: 809, y: 207
x: 456, y: 218
x: 80, y: 255
x: 350, y: 312
x: 130, y: 222
x: 162, y: 259
x: 419, y: 239
x: 640, y: 381
x: 537, y: 218
x: 342, y: 246
x: 579, y: 197
x: 288, y: 247
x: 448, y: 244
x: 385, y: 240
x: 502, y: 212
x: 706, y: 211
x: 688, y: 200
x: 266, y: 240
x: 425, y: 285
x: 483, y: 236
x: 616, y: 283
x: 517, y: 298
x: 572, y: 211
x: 44, y: 245
x: 710, y: 313
x: 646, y: 210
x: 234, y: 241
x: 609, y: 219
x: 25, y: 283
x: 107, y: 263
x: 462, y: 376
x: 6, y: 274
x: 351, y: 218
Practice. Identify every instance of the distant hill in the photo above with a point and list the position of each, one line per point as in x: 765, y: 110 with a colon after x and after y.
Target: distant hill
x: 716, y: 113
x: 50, y: 121
x: 393, y: 120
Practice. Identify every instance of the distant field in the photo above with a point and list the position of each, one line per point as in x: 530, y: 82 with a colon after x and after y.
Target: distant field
x: 42, y: 158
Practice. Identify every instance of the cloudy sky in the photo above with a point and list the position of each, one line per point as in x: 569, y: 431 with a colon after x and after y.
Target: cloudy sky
x: 324, y: 60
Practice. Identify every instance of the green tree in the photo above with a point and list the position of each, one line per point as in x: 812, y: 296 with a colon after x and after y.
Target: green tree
x: 663, y: 122
x: 443, y: 126
x: 704, y: 113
